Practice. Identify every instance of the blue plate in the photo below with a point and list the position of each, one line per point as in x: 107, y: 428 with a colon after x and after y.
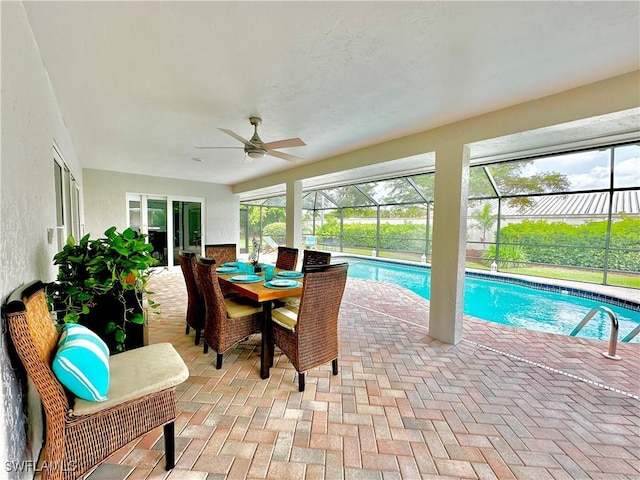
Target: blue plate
x: 282, y: 283
x: 246, y: 279
x: 289, y: 274
x: 227, y: 270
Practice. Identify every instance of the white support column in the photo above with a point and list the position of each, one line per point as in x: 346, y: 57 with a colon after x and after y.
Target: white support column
x: 294, y: 214
x: 449, y: 243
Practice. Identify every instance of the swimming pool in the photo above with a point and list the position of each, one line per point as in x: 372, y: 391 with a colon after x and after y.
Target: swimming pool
x: 546, y: 310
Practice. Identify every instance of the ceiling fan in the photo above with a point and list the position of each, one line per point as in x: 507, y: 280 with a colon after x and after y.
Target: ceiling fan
x: 256, y: 148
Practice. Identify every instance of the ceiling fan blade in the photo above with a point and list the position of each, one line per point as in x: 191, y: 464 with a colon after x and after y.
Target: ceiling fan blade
x: 290, y: 142
x: 219, y: 147
x: 284, y: 156
x: 237, y: 137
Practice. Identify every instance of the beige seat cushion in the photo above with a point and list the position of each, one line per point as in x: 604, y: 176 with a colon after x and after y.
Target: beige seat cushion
x: 286, y: 317
x: 136, y: 373
x: 292, y: 301
x: 241, y: 307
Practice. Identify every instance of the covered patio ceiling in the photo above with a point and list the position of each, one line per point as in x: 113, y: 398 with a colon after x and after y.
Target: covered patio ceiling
x: 141, y: 84
x: 606, y: 129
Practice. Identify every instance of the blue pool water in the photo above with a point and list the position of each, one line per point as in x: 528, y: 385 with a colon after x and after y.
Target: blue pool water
x: 507, y: 303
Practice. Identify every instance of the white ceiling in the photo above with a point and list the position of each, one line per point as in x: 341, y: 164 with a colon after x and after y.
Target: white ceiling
x: 140, y: 84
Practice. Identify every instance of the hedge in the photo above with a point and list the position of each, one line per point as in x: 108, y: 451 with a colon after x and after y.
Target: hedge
x: 405, y: 237
x: 559, y: 243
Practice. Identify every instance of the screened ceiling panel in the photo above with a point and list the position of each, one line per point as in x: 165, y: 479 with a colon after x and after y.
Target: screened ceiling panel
x: 389, y: 192
x: 348, y: 196
x: 425, y: 184
x: 571, y: 172
x: 479, y: 184
x: 276, y: 201
x: 309, y: 200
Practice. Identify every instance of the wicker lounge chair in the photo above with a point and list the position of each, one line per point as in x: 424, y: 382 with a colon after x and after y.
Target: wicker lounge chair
x: 271, y: 246
x: 195, y: 300
x: 228, y: 320
x: 310, y: 242
x: 79, y: 433
x: 287, y: 258
x: 308, y: 334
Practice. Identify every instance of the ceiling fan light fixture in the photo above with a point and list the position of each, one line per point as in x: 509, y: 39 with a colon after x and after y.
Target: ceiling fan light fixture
x: 256, y: 153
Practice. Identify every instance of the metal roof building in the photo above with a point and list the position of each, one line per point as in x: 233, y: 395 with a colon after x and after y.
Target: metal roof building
x: 577, y: 205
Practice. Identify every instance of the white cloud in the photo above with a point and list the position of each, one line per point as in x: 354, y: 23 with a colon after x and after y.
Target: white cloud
x: 627, y: 173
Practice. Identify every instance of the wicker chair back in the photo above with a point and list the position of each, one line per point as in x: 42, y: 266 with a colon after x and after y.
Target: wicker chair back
x: 195, y: 300
x: 221, y: 252
x: 315, y: 257
x: 287, y: 258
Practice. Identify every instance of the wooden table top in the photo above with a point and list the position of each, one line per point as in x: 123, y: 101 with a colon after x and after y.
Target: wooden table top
x: 257, y: 291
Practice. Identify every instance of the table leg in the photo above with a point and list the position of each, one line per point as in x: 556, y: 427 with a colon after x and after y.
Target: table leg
x: 265, y: 354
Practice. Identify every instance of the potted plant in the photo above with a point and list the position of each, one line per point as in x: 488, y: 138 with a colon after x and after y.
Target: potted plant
x: 102, y: 283
x: 254, y: 256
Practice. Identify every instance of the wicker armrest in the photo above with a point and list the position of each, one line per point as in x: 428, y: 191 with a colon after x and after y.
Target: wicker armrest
x: 136, y: 373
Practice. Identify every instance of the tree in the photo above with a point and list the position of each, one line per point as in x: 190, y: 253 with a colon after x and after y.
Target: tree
x: 484, y: 220
x: 511, y: 178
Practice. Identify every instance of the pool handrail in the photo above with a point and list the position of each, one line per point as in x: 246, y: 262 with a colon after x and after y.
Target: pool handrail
x: 613, y: 339
x: 629, y: 336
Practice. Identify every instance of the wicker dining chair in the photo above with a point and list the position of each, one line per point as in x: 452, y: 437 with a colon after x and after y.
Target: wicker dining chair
x: 308, y: 334
x: 315, y: 257
x: 310, y: 258
x: 195, y: 300
x: 228, y: 320
x: 79, y: 434
x: 221, y: 252
x: 287, y: 258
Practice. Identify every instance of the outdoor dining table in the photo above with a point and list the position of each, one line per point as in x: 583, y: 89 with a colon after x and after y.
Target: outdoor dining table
x: 259, y: 293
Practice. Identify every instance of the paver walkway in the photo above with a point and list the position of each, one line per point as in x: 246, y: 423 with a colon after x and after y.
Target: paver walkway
x: 503, y: 403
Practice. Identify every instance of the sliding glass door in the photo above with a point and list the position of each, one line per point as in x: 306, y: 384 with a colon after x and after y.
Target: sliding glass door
x: 171, y: 224
x: 187, y: 227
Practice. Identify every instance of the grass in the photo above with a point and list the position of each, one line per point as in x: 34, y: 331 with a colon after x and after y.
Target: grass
x: 629, y: 280
x: 615, y: 279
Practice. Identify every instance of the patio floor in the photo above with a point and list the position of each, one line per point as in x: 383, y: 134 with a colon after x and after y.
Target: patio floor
x: 504, y: 403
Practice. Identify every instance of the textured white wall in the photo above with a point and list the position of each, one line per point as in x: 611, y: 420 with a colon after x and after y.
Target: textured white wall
x: 31, y: 123
x: 105, y: 202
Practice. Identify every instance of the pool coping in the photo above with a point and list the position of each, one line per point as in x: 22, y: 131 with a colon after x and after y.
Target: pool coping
x: 623, y: 297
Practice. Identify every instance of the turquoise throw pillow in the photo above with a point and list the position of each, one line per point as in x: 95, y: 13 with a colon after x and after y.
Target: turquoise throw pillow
x: 82, y: 363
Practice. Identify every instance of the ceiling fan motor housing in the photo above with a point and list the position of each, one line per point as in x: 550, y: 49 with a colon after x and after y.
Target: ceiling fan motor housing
x: 257, y: 149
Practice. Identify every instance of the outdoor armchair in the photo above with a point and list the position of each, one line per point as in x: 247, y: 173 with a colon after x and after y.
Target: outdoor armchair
x: 79, y: 433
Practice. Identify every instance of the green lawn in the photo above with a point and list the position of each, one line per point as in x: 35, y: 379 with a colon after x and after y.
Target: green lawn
x: 615, y: 279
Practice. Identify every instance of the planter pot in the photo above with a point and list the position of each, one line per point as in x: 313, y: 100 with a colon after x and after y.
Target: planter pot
x: 107, y: 309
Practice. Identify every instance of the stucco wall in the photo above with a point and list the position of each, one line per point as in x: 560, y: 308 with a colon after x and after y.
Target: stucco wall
x: 31, y: 124
x: 105, y: 202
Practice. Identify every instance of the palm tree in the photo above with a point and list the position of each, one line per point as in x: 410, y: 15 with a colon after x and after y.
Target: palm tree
x: 484, y: 220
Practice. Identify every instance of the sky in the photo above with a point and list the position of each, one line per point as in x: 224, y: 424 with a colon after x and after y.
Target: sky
x: 590, y: 170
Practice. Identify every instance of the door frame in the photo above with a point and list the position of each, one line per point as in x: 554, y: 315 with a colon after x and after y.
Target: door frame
x: 144, y: 221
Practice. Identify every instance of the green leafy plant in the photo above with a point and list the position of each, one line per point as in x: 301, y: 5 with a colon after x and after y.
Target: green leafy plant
x: 116, y: 265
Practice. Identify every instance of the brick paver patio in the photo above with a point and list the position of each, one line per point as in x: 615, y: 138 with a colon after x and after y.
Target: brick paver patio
x: 504, y: 403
